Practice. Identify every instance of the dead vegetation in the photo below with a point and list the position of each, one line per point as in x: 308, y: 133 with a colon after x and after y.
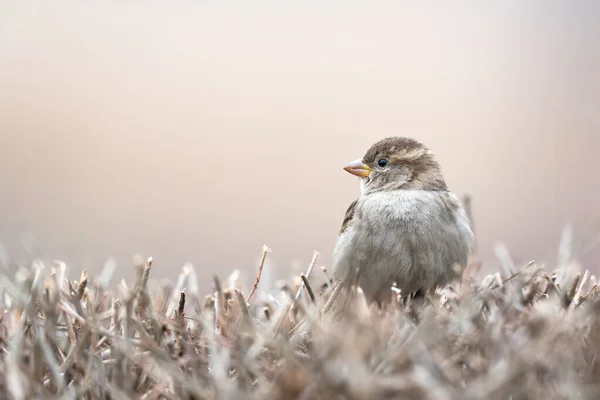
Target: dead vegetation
x: 525, y: 334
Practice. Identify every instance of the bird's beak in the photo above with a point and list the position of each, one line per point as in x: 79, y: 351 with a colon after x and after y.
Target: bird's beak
x: 358, y: 168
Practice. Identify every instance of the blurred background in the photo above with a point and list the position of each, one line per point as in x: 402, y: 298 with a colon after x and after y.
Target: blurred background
x: 199, y: 131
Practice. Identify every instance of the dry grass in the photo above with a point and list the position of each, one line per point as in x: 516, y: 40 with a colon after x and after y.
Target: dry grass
x: 528, y: 335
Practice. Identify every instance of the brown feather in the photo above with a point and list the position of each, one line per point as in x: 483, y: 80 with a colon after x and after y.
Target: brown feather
x: 348, y: 217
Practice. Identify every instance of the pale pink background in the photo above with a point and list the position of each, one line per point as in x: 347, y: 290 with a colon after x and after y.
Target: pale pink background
x: 197, y: 131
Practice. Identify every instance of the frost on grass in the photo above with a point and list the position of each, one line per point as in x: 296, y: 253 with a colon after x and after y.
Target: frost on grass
x: 532, y: 334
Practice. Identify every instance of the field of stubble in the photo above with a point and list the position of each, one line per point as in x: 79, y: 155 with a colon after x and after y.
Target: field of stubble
x: 525, y: 332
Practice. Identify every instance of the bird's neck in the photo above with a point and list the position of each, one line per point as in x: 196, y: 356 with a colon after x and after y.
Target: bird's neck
x: 413, y: 184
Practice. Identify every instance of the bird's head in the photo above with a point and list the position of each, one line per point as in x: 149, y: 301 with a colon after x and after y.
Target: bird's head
x: 397, y: 163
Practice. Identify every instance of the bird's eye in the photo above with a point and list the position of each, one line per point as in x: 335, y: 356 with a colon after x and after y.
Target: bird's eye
x: 382, y: 162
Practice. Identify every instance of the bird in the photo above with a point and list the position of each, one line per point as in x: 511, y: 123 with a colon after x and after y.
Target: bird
x: 406, y: 228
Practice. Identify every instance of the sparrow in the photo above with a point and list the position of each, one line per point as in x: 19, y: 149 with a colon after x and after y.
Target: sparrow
x: 406, y: 229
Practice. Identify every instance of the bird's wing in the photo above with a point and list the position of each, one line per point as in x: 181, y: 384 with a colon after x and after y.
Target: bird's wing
x: 348, y: 217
